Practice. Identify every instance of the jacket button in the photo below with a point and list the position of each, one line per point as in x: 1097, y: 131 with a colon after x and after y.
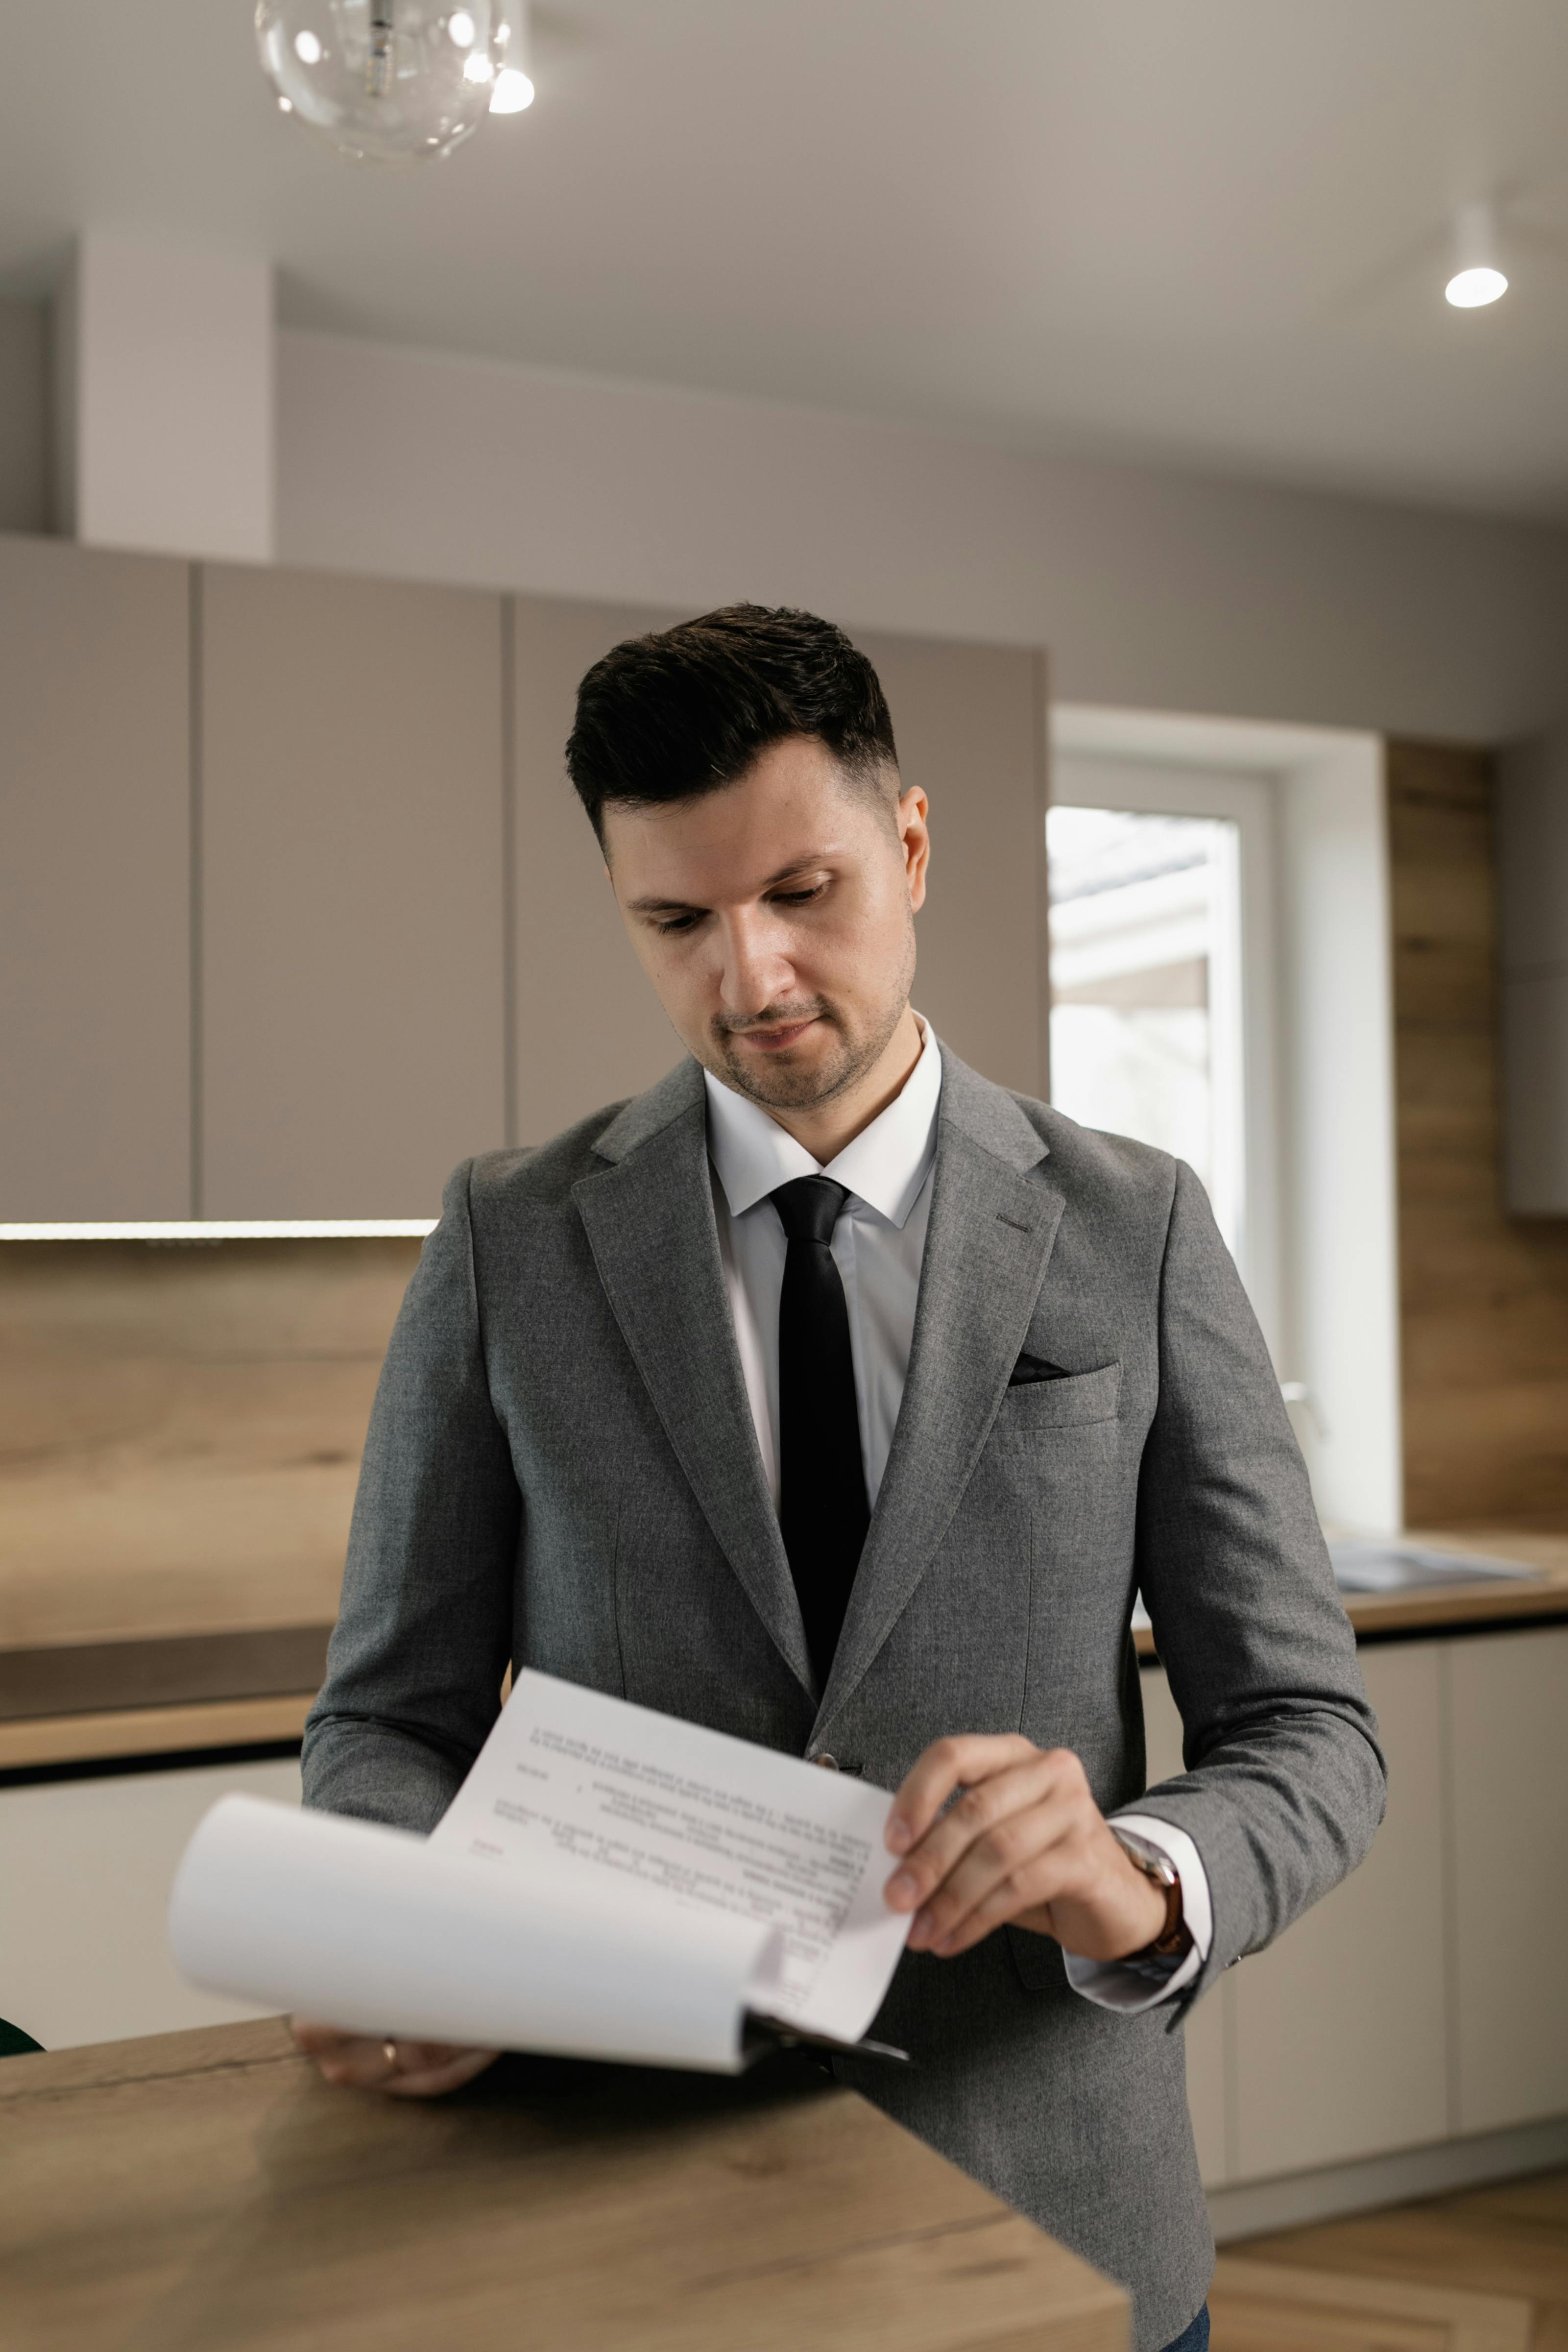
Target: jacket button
x: 828, y: 1763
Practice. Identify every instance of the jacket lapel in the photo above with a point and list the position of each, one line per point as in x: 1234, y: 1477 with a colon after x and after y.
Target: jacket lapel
x: 994, y: 1216
x: 649, y: 1224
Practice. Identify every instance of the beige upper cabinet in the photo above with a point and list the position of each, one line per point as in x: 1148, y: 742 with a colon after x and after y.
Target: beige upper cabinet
x: 970, y: 724
x: 95, y: 885
x: 298, y: 907
x: 587, y: 1028
x: 351, y: 892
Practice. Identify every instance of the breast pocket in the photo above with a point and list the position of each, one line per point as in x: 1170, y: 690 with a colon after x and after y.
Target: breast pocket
x: 1033, y: 1407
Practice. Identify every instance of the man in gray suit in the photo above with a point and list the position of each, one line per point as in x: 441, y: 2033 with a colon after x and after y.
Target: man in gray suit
x: 834, y: 1397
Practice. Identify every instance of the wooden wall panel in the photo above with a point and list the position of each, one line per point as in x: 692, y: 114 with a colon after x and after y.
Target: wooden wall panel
x: 95, y: 884
x: 182, y: 1437
x: 352, y: 892
x: 1484, y: 1296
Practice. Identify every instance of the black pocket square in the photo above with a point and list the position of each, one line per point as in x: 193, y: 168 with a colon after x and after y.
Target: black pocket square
x: 1029, y: 1369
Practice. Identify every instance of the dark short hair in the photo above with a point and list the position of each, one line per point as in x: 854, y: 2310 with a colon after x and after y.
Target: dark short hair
x: 686, y: 710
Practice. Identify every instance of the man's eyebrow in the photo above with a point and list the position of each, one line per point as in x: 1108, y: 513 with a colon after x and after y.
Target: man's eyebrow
x: 796, y: 865
x: 663, y: 907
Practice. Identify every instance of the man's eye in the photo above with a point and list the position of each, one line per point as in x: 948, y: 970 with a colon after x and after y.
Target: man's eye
x: 799, y: 897
x: 675, y: 923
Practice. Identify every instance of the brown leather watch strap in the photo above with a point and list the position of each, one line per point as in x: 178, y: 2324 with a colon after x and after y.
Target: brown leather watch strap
x: 1174, y: 1936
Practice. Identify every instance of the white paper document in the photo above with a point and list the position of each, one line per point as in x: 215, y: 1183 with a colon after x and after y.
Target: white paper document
x: 608, y: 1882
x: 583, y: 1791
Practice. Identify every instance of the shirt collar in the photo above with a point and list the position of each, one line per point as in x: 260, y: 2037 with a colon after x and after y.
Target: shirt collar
x: 886, y: 1166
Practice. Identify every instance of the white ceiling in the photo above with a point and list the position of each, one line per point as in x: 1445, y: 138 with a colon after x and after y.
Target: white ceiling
x: 1208, y: 232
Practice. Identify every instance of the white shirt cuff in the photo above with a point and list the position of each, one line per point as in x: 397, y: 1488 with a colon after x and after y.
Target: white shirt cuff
x: 1111, y: 1984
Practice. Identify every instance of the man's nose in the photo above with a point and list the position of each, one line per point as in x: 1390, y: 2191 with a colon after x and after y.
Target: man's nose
x: 756, y: 972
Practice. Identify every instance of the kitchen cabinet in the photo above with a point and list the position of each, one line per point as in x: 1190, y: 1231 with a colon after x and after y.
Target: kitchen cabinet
x: 1211, y: 2027
x: 587, y: 1028
x: 1339, y: 2024
x: 969, y: 722
x: 300, y: 906
x: 1508, y: 1787
x: 1421, y: 2000
x: 95, y: 884
x: 351, y: 892
x: 88, y: 1867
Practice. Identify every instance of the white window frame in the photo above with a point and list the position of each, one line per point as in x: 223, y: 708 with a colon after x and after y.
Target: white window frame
x: 1322, y: 1081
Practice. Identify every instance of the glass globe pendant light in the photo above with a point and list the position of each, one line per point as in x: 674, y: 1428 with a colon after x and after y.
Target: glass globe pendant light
x: 385, y: 81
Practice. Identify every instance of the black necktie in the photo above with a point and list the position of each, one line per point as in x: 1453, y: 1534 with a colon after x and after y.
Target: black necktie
x: 822, y: 1504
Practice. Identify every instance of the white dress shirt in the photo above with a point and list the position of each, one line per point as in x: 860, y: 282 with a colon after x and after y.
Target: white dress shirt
x: 878, y: 1244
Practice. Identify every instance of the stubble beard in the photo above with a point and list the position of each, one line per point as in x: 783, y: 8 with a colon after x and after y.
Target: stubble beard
x: 776, y: 1087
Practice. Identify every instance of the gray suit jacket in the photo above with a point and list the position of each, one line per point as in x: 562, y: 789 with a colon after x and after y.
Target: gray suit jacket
x: 562, y: 1471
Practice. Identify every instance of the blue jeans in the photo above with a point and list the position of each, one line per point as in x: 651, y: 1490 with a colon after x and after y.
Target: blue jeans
x: 1194, y: 2338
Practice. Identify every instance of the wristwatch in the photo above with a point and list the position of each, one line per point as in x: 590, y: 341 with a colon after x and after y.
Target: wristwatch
x: 1174, y: 1936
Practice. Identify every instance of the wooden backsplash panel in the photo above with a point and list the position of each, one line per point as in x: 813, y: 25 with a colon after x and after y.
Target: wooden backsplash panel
x: 180, y: 1431
x: 1484, y: 1296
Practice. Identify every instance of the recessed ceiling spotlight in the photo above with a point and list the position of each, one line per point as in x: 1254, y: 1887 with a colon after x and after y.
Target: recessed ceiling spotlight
x: 1477, y: 280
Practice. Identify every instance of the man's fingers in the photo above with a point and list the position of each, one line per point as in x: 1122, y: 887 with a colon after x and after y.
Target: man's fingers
x: 1021, y: 1865
x: 360, y: 2065
x: 1024, y: 1900
x: 410, y: 2070
x: 976, y: 1814
x: 946, y: 1765
x: 432, y: 2081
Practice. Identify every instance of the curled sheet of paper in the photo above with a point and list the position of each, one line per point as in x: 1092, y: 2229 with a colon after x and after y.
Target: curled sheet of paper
x: 380, y: 1932
x: 597, y: 1797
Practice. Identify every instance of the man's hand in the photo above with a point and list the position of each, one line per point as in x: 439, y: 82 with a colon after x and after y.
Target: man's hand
x: 1024, y: 1842
x: 406, y: 2070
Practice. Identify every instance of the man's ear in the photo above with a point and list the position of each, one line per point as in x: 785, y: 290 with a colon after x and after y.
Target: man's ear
x: 914, y: 840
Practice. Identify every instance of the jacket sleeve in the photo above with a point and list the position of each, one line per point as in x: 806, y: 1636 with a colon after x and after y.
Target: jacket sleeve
x: 424, y: 1631
x: 1285, y: 1780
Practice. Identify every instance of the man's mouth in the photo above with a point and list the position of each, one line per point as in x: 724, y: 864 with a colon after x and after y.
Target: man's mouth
x: 777, y: 1038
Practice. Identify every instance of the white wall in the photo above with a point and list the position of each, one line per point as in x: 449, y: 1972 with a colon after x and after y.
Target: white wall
x: 1153, y: 589
x: 163, y: 383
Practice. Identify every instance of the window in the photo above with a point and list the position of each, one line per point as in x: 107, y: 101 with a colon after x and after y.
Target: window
x: 1145, y: 1001
x: 1287, y: 838
x: 1162, y: 978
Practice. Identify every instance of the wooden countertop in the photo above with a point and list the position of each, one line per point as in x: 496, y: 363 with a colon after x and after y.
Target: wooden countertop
x: 189, y: 2191
x: 1457, y: 1608
x: 236, y: 1686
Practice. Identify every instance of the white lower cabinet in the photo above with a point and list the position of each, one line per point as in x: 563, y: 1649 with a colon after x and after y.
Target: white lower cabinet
x: 1340, y: 2046
x: 1422, y: 1999
x: 86, y: 1869
x: 1508, y: 1732
x: 1211, y: 2025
